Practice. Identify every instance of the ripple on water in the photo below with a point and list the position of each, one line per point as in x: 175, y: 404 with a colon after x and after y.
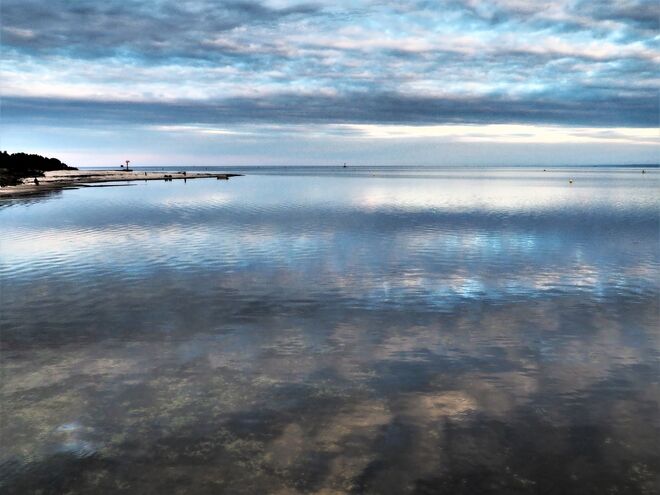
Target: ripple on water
x: 440, y: 331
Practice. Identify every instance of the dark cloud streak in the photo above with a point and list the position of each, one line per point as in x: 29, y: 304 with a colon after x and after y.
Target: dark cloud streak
x: 364, y: 108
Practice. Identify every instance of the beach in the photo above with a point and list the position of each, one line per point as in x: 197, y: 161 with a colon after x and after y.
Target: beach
x: 61, y: 179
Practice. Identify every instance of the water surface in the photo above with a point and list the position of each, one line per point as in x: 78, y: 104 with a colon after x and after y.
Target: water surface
x: 301, y: 331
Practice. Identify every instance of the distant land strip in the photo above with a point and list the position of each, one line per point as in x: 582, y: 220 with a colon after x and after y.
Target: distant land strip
x: 22, y: 175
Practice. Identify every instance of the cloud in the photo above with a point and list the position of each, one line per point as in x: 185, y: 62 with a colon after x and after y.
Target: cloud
x: 152, y: 29
x: 509, y: 133
x: 277, y: 62
x: 636, y: 111
x: 643, y: 14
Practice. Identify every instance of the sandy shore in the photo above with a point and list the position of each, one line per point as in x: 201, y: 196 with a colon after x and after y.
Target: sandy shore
x: 60, y: 179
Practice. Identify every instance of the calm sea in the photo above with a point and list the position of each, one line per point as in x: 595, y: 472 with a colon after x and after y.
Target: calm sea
x: 327, y: 331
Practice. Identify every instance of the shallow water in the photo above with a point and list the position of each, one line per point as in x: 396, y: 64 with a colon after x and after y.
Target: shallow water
x: 381, y: 331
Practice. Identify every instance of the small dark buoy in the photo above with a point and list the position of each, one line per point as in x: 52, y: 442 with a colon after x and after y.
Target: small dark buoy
x: 544, y: 170
x: 570, y: 181
x: 36, y: 181
x: 643, y: 171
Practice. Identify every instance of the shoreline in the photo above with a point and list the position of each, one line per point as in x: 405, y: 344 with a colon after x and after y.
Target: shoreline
x: 68, y: 179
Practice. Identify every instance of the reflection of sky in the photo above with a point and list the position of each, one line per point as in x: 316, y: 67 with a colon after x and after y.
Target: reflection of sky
x: 372, y: 240
x: 284, y: 333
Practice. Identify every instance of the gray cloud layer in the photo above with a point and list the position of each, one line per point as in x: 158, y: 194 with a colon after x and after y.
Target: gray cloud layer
x: 375, y: 108
x: 572, y: 63
x: 167, y: 29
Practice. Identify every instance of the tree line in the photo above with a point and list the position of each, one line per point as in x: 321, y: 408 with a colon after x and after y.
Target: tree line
x: 16, y: 166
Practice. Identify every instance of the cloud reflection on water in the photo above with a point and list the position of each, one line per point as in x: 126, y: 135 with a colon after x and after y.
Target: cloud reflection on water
x: 248, y: 346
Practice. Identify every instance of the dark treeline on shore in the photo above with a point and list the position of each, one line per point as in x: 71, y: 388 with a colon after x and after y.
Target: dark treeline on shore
x: 17, y: 166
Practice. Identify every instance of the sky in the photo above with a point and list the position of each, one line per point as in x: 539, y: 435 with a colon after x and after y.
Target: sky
x: 277, y: 82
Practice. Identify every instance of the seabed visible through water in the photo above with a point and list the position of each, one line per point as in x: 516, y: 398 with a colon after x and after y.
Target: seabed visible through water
x: 325, y: 331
